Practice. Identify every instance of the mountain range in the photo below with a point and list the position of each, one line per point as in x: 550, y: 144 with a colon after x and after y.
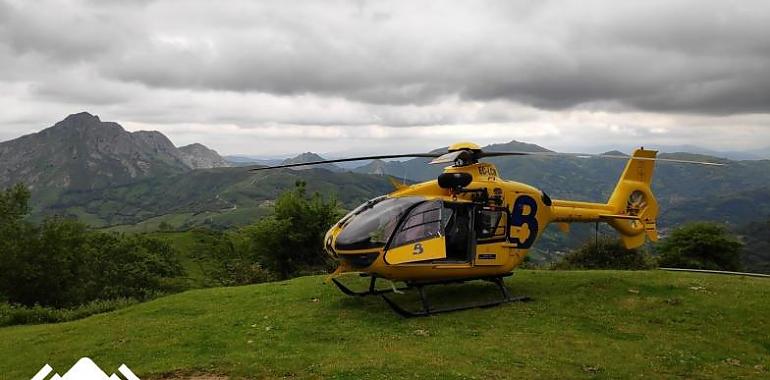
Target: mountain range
x: 104, y: 175
x: 107, y: 176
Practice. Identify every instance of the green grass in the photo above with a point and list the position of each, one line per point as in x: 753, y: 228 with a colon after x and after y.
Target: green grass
x: 600, y: 324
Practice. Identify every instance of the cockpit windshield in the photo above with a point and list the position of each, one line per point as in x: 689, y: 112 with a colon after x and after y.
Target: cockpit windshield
x: 371, y: 225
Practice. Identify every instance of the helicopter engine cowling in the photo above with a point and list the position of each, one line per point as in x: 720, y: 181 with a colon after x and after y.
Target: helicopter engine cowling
x: 454, y: 180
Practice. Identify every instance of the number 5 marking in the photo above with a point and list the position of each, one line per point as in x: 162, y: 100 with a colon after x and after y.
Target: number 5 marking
x: 418, y: 249
x: 519, y: 219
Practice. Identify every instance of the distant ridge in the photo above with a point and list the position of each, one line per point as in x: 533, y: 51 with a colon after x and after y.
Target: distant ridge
x: 310, y: 157
x: 515, y: 146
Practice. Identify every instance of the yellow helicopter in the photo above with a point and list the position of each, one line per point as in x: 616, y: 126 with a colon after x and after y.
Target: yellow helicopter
x: 470, y: 224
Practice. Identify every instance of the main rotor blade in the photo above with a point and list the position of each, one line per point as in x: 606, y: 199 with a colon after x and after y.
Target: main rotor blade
x: 428, y: 155
x: 589, y: 155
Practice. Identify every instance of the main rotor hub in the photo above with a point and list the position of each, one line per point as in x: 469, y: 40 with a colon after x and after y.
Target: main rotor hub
x: 460, y: 154
x: 464, y: 145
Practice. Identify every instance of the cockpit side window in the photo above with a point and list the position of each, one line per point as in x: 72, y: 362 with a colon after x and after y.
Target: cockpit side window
x: 423, y: 222
x: 490, y: 224
x: 372, y: 224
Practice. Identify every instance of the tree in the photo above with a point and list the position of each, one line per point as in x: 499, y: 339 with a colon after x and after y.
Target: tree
x: 14, y: 204
x: 14, y: 233
x: 56, y: 265
x: 13, y: 208
x: 756, y: 252
x: 606, y: 253
x: 291, y: 239
x: 61, y: 263
x: 701, y: 245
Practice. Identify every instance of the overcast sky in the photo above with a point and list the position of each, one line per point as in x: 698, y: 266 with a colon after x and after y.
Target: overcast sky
x: 276, y: 77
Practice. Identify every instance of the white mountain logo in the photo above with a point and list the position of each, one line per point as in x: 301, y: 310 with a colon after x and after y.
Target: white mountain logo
x: 84, y: 369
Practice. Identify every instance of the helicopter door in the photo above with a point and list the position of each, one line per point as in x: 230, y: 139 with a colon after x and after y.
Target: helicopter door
x: 418, y: 237
x: 459, y: 232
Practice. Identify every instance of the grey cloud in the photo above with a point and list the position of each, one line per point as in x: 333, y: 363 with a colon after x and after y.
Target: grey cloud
x: 66, y: 32
x: 666, y: 56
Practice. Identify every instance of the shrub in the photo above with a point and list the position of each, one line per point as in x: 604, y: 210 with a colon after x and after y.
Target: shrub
x: 165, y: 227
x: 701, y: 245
x: 606, y: 253
x: 290, y: 240
x: 23, y: 315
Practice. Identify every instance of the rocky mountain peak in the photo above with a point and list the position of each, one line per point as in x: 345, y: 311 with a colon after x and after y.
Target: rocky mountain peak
x: 82, y: 152
x: 198, y: 156
x: 84, y: 124
x: 80, y: 118
x: 157, y: 142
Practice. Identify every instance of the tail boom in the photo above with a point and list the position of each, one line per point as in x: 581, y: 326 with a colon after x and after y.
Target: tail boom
x: 631, y: 209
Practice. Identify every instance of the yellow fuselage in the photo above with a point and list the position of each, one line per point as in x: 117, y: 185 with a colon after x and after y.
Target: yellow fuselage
x: 527, y: 212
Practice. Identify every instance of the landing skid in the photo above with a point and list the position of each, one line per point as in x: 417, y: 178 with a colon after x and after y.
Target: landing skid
x: 427, y: 308
x: 372, y: 291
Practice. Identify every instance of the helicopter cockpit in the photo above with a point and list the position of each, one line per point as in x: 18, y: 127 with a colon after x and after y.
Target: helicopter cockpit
x: 371, y: 224
x: 393, y: 222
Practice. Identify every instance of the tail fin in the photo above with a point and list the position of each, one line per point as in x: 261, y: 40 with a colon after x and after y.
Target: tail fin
x: 633, y: 203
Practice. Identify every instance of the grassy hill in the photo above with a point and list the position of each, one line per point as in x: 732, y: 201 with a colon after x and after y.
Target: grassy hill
x: 601, y: 324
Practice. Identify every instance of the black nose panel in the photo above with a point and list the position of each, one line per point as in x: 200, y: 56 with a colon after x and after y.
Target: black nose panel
x: 361, y: 260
